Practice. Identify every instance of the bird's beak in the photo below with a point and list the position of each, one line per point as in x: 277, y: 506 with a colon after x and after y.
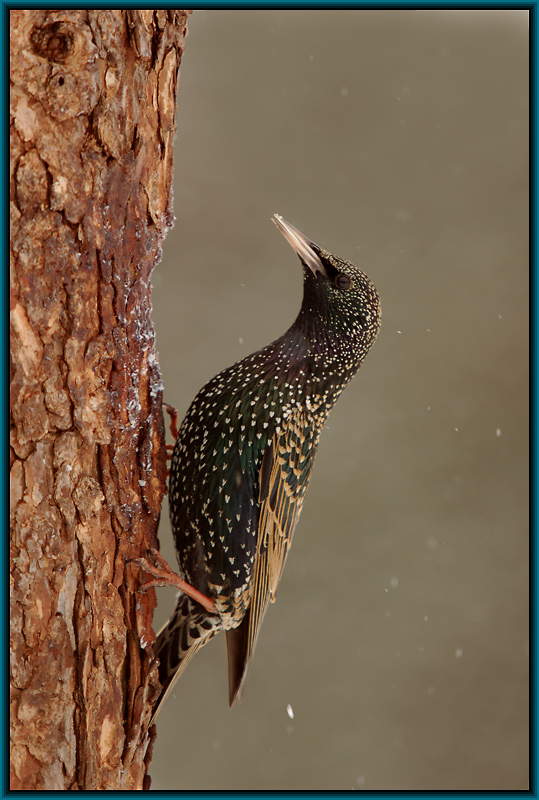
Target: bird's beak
x: 303, y: 247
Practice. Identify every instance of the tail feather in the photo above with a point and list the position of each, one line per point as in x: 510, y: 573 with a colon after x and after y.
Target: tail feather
x: 188, y: 629
x: 239, y: 659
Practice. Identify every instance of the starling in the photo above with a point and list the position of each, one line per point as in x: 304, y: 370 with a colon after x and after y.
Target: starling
x: 243, y: 459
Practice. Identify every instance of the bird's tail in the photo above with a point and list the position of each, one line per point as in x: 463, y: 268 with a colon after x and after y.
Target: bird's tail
x: 188, y: 629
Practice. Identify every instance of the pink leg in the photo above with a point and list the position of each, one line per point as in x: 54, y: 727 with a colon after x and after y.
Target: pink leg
x: 164, y: 576
x: 173, y: 414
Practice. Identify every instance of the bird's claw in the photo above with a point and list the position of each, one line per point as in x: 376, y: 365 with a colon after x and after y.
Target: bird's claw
x: 164, y: 576
x: 173, y: 414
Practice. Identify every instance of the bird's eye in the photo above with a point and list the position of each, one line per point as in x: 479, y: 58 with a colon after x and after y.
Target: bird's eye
x: 342, y: 281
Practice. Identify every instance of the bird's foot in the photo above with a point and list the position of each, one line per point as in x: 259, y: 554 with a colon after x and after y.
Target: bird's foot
x: 173, y: 414
x: 173, y: 427
x: 164, y: 576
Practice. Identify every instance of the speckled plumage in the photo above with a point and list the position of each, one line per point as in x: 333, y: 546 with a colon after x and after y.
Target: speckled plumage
x: 244, y: 456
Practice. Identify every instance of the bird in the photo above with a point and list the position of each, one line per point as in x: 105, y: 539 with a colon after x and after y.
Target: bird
x: 242, y: 461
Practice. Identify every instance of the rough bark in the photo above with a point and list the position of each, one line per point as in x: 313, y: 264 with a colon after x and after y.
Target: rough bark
x: 93, y: 97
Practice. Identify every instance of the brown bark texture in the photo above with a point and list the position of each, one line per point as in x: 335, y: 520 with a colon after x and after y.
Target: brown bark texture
x: 93, y: 98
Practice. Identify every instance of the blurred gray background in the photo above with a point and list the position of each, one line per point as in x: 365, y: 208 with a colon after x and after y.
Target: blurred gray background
x: 396, y: 655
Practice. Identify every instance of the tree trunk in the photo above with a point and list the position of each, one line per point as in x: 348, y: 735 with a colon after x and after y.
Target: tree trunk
x: 93, y: 98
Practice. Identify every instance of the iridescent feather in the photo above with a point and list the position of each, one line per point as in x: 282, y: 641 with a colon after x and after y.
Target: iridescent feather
x: 243, y: 460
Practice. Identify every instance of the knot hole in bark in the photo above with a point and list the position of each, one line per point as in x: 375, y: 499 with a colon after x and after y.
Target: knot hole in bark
x: 54, y: 42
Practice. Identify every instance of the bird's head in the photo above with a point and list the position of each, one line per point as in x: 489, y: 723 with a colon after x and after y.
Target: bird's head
x: 337, y: 297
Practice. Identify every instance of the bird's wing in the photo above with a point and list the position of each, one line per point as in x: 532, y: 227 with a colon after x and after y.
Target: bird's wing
x: 284, y: 475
